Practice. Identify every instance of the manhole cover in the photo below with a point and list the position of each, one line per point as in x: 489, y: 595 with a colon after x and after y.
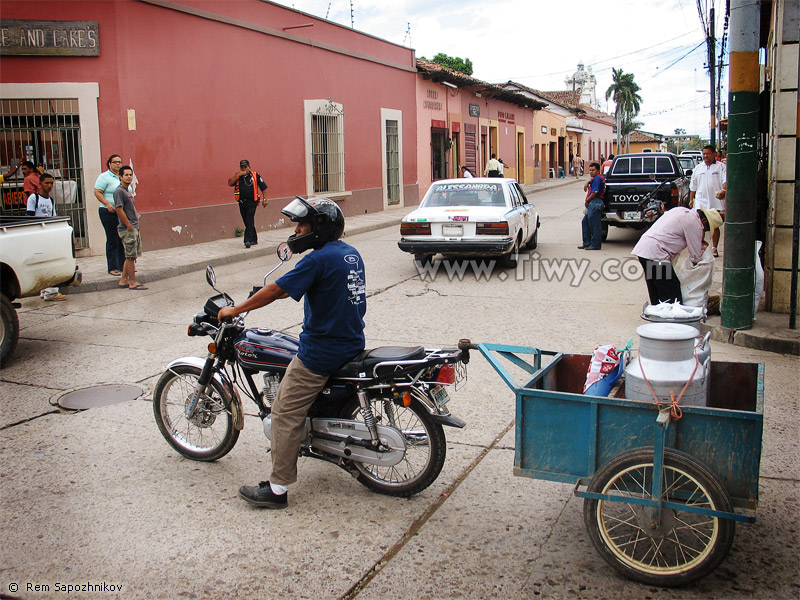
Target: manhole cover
x: 99, y: 395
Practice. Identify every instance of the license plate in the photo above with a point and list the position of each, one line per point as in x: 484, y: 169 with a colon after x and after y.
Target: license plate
x: 632, y: 216
x: 440, y: 396
x: 452, y: 230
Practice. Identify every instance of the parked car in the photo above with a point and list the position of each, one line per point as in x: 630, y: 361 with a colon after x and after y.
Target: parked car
x: 35, y: 253
x: 697, y: 155
x: 687, y: 164
x: 629, y: 182
x: 471, y: 217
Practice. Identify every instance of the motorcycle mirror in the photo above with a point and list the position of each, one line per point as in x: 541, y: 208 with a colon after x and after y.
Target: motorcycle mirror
x: 211, y: 278
x: 283, y: 252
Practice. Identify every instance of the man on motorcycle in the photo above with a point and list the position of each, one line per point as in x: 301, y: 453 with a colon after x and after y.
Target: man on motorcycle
x: 332, y: 281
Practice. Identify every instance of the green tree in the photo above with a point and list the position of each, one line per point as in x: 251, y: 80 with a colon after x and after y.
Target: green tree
x: 463, y: 65
x: 627, y: 126
x: 624, y: 91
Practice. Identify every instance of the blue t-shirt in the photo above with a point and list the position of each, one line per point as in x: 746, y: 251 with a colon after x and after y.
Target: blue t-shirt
x: 332, y: 281
x: 598, y: 185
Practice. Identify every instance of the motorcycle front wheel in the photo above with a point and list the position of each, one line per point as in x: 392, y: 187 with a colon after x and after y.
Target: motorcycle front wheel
x: 210, y: 433
x: 426, y: 448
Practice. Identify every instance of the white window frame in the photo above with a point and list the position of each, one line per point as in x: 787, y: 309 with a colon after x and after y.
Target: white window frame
x: 336, y: 110
x: 389, y: 114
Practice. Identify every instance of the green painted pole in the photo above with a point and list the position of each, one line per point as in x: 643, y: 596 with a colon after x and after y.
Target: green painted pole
x: 740, y: 214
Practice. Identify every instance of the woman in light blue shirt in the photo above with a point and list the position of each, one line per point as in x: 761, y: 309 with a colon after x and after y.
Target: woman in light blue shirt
x: 104, y: 192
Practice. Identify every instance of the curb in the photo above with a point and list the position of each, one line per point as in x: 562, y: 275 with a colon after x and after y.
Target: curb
x: 747, y: 339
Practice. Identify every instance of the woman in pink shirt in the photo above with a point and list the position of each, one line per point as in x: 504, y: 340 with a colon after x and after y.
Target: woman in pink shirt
x: 675, y: 230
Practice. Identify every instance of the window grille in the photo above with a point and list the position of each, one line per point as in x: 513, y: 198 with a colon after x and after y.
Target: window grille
x: 392, y: 162
x: 327, y: 148
x: 46, y: 132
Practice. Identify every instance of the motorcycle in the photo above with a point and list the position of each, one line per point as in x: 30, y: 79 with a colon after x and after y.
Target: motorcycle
x: 380, y: 417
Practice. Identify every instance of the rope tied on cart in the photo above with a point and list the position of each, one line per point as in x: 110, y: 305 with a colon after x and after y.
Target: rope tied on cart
x: 674, y: 403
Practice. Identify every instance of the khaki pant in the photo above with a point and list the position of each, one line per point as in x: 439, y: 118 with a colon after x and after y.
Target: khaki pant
x: 298, y: 390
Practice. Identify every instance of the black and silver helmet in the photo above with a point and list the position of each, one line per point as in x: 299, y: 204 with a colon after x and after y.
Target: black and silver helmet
x: 324, y: 216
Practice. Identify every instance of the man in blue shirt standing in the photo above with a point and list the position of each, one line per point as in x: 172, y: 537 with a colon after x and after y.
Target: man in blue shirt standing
x: 331, y: 281
x: 591, y: 224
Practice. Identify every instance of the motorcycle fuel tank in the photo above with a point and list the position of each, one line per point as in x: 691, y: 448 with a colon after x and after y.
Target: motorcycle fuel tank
x: 265, y: 349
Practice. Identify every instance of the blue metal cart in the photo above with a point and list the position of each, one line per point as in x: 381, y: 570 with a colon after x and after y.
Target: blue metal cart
x: 661, y: 493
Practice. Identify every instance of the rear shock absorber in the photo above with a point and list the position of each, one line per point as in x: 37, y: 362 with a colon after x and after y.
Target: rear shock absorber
x: 369, y: 417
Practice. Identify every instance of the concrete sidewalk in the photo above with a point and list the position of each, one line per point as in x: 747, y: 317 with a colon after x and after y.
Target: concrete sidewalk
x: 770, y: 332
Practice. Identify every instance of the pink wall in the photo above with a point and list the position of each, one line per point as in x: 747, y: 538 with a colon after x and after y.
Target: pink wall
x: 208, y: 93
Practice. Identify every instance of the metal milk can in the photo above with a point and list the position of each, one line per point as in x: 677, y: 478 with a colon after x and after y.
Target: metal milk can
x: 670, y: 354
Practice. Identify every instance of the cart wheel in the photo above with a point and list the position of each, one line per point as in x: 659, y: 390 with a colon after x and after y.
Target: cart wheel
x: 680, y: 548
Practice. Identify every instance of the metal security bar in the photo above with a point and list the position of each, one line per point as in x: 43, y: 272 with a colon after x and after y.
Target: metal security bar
x: 47, y: 132
x: 327, y: 149
x: 392, y: 162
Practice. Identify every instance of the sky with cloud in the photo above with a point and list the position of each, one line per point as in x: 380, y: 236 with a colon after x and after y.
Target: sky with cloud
x: 539, y: 44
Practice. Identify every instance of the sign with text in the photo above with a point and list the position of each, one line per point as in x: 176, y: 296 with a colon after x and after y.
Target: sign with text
x: 48, y: 38
x: 474, y: 110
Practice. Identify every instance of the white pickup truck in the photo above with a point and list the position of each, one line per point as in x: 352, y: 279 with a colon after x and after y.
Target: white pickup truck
x: 35, y: 253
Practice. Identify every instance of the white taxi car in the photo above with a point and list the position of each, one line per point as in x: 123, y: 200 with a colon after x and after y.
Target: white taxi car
x: 480, y: 216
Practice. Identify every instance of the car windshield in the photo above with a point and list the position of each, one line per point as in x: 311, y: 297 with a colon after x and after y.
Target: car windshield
x: 465, y: 194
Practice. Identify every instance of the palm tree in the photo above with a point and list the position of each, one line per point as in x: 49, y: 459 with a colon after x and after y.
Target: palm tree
x: 628, y: 126
x: 624, y: 90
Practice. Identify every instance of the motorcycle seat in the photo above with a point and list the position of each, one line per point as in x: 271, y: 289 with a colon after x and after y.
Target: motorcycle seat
x: 366, y: 360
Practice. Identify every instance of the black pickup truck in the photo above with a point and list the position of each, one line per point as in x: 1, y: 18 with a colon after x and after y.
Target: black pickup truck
x: 631, y: 179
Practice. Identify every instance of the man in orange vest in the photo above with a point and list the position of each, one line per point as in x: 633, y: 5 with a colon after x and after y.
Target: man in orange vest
x: 246, y: 187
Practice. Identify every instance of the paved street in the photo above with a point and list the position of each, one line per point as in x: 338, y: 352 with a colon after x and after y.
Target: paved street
x: 99, y: 497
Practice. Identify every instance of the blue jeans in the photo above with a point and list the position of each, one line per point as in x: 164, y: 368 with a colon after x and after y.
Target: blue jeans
x: 115, y: 253
x: 591, y: 225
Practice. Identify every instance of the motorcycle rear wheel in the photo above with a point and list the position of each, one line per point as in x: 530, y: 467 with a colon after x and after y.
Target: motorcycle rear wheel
x: 210, y: 433
x: 426, y: 448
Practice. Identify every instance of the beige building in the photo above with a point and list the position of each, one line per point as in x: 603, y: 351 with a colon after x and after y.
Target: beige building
x: 780, y: 78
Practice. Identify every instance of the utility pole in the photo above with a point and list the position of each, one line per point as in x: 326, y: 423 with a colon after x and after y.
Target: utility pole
x: 712, y: 68
x: 738, y: 281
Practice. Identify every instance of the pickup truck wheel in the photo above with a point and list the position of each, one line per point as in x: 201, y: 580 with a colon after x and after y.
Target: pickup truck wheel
x: 605, y: 231
x: 9, y: 329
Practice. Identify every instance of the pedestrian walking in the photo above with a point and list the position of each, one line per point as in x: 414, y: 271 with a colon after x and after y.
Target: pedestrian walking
x: 465, y: 172
x: 576, y: 166
x: 676, y: 229
x: 591, y: 225
x: 708, y: 187
x: 104, y: 189
x: 502, y: 167
x: 492, y: 168
x: 128, y: 229
x: 246, y: 187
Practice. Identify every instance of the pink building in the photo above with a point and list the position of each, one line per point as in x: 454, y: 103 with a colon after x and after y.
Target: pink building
x: 463, y: 121
x: 184, y: 89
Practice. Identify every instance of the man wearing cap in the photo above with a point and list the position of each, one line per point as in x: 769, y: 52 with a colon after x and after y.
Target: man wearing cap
x: 675, y: 230
x: 708, y: 185
x: 246, y: 186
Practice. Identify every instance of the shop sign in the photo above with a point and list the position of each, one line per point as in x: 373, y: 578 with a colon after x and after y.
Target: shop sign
x: 19, y: 37
x: 474, y: 110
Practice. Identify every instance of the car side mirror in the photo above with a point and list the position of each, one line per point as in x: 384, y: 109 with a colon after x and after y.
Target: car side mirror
x: 688, y: 172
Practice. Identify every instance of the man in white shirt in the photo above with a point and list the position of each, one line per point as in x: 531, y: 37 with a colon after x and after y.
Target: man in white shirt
x: 41, y: 205
x: 708, y: 185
